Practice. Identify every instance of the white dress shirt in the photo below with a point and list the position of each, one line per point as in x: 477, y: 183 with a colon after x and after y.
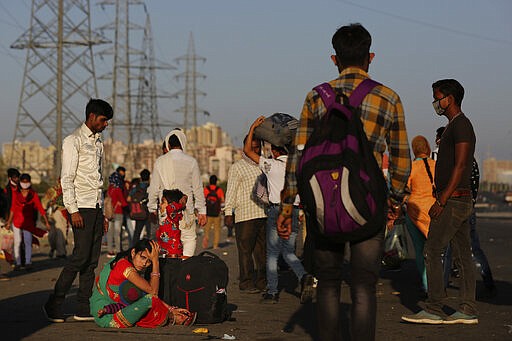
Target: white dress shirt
x: 177, y: 170
x: 81, y: 179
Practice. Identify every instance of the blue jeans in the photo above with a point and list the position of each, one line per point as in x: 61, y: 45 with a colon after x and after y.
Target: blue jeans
x: 276, y: 246
x: 365, y: 261
x: 451, y: 227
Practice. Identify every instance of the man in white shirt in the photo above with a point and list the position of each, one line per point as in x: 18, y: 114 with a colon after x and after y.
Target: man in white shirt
x: 275, y: 170
x: 178, y: 170
x: 82, y: 184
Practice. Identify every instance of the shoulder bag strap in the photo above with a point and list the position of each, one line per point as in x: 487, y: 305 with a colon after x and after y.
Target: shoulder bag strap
x: 427, y: 167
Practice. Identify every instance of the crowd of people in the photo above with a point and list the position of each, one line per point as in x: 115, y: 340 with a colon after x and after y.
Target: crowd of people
x: 166, y: 205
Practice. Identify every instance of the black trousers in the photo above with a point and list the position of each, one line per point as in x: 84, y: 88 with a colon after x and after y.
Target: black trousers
x: 83, y: 260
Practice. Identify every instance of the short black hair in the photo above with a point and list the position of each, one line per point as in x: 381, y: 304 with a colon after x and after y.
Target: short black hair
x: 450, y: 87
x: 213, y: 179
x: 253, y: 138
x: 352, y: 45
x: 174, y: 142
x: 13, y: 172
x: 25, y: 176
x: 120, y: 169
x: 281, y: 150
x: 144, y: 175
x: 172, y: 195
x: 99, y: 107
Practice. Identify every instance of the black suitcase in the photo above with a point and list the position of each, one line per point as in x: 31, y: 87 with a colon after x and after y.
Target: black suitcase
x: 200, y: 286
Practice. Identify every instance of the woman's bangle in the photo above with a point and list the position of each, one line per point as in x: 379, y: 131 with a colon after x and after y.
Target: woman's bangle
x: 155, y: 274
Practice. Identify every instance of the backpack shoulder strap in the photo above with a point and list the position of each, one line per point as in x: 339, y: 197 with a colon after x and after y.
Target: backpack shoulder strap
x: 327, y: 94
x: 363, y: 89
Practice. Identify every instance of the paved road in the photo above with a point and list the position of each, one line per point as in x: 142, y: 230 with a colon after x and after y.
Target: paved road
x: 22, y: 297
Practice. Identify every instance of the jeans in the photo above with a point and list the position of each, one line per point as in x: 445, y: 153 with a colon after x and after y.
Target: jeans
x: 276, y: 246
x: 83, y: 261
x: 139, y: 226
x: 365, y: 260
x: 25, y: 236
x: 250, y: 242
x: 114, y: 233
x: 418, y: 240
x: 451, y: 227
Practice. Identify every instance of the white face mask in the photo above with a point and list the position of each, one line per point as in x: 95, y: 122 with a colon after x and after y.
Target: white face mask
x: 13, y: 183
x: 25, y: 185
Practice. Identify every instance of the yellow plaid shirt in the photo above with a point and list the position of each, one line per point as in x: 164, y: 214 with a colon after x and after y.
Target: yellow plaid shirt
x: 382, y: 115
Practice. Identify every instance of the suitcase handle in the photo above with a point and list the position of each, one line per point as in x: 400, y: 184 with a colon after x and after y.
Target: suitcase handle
x: 208, y: 254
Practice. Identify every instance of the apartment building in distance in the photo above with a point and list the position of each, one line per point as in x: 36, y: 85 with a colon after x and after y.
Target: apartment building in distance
x: 30, y: 157
x: 497, y: 171
x: 213, y: 151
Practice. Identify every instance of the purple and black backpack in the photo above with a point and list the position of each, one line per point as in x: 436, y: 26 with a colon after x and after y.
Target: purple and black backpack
x: 341, y: 185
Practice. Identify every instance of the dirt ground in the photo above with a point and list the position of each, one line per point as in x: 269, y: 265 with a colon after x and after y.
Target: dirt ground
x: 21, y: 298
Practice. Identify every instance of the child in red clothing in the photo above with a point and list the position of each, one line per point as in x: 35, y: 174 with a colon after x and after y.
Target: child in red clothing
x: 168, y: 234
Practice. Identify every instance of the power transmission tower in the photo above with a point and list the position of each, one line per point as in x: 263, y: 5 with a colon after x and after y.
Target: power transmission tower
x: 147, y: 123
x: 58, y: 77
x: 134, y: 93
x: 122, y: 53
x: 190, y: 92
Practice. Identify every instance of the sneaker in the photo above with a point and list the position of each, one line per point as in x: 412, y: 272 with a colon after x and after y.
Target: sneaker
x: 270, y: 299
x: 459, y: 317
x: 250, y: 291
x: 52, y: 315
x: 83, y: 317
x: 423, y: 317
x: 307, y: 292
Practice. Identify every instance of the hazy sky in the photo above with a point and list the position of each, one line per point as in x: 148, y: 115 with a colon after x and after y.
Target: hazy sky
x: 264, y: 56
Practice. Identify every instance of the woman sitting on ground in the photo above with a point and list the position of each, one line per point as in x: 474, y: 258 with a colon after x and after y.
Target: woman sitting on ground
x: 122, y: 297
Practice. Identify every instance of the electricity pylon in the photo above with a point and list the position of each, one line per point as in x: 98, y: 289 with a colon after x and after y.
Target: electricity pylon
x: 133, y: 79
x: 58, y: 78
x: 190, y: 92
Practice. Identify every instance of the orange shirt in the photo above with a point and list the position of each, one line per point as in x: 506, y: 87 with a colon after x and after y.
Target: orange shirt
x: 421, y: 198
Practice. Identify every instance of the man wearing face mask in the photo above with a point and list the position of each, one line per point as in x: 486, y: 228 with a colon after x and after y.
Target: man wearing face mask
x: 451, y: 211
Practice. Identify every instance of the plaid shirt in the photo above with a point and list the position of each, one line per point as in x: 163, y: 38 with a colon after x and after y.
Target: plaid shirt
x: 383, y: 119
x: 241, y: 178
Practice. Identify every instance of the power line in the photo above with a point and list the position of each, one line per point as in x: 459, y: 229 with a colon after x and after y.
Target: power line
x: 17, y: 24
x: 427, y: 24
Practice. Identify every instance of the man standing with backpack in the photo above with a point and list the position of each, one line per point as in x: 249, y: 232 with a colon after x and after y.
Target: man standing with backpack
x: 382, y: 116
x: 214, y: 199
x: 138, y: 200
